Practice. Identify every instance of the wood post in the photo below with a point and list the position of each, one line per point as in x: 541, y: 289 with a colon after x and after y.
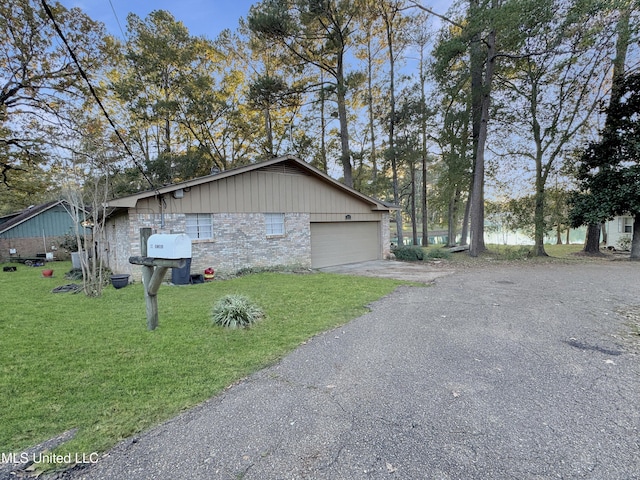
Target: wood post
x: 147, y: 273
x: 150, y: 300
x: 153, y: 271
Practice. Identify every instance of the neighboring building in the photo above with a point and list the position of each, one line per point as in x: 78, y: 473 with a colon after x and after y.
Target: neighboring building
x: 6, y: 218
x: 35, y: 231
x: 281, y: 212
x: 619, y: 232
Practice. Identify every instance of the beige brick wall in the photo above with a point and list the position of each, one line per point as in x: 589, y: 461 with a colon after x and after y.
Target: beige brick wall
x: 29, y: 247
x: 239, y: 241
x: 385, y: 234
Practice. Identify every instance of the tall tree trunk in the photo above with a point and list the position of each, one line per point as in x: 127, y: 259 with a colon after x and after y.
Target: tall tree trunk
x: 476, y: 62
x: 477, y: 245
x: 538, y: 215
x: 269, y: 129
x: 425, y: 203
x: 392, y: 124
x: 623, y: 30
x: 414, y: 215
x: 372, y: 127
x: 452, y: 228
x: 396, y: 199
x: 541, y: 178
x: 345, y: 156
x: 423, y: 133
x: 592, y: 240
x: 464, y: 234
x: 323, y: 126
x: 635, y: 240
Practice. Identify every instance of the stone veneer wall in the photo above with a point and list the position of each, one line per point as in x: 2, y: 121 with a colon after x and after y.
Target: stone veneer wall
x: 239, y: 241
x: 385, y: 235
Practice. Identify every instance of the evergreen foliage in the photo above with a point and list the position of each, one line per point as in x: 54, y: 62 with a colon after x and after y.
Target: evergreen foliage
x: 609, y: 170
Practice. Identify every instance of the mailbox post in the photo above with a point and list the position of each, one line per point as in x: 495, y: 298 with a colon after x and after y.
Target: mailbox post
x: 159, y: 253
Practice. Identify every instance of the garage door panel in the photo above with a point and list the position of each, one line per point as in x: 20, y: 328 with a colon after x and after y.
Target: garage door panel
x: 344, y: 242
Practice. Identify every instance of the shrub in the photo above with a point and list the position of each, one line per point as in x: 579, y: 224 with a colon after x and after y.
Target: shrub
x: 251, y: 270
x: 409, y: 254
x: 236, y: 311
x: 438, y: 253
x: 69, y: 242
x: 293, y: 268
x: 624, y: 243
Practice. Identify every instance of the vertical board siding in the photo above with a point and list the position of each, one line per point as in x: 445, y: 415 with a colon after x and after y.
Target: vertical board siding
x: 254, y: 191
x: 246, y: 193
x: 262, y: 182
x: 53, y: 222
x: 288, y: 191
x: 231, y: 194
x: 261, y: 191
x: 206, y: 197
x: 271, y: 191
x: 221, y: 189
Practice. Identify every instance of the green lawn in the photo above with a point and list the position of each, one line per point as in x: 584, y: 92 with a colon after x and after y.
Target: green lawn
x: 69, y: 361
x: 497, y: 253
x: 515, y: 251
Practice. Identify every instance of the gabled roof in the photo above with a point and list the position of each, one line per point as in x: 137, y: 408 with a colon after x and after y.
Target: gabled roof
x: 9, y: 216
x: 130, y: 201
x: 27, y: 214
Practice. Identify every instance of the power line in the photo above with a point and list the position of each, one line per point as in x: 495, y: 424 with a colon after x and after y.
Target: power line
x: 94, y: 94
x: 117, y: 19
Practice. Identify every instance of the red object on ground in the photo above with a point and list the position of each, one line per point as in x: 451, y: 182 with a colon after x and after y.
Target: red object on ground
x: 47, y: 273
x: 209, y: 273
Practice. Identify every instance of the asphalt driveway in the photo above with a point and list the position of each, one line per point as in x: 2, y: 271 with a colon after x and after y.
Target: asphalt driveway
x: 500, y: 373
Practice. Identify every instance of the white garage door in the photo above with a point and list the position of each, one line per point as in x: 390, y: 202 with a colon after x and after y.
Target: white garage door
x: 344, y: 242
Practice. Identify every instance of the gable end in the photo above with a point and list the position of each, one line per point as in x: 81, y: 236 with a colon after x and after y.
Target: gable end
x: 285, y: 168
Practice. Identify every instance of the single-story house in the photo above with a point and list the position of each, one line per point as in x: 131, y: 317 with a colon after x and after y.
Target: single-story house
x: 280, y: 212
x: 9, y: 216
x: 35, y: 231
x: 619, y: 232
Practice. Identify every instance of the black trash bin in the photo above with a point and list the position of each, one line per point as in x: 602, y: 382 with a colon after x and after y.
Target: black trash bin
x: 181, y: 276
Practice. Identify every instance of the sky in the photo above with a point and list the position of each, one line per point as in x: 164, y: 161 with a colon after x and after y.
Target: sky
x: 201, y: 17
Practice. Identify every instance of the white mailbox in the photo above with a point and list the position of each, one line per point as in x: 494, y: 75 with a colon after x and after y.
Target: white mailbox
x: 171, y: 246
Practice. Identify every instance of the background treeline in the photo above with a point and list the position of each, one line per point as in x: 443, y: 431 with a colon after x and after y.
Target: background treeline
x: 424, y: 109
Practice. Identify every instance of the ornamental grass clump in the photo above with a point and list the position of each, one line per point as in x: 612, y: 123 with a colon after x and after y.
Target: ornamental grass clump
x: 236, y: 311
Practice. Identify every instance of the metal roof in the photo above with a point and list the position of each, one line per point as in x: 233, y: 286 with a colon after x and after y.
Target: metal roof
x: 27, y: 214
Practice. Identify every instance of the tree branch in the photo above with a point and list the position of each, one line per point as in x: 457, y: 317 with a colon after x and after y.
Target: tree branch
x: 435, y: 14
